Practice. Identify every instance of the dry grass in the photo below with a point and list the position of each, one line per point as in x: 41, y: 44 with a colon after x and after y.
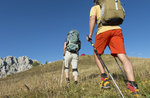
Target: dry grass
x: 44, y: 81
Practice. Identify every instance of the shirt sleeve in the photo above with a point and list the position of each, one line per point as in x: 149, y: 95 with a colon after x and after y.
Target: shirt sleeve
x: 93, y: 11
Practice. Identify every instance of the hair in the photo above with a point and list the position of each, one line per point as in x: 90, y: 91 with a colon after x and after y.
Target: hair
x: 96, y: 1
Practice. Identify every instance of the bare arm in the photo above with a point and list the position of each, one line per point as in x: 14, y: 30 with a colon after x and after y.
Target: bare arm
x: 91, y: 25
x: 64, y: 48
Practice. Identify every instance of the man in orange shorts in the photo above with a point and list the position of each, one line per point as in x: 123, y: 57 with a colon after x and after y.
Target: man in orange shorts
x: 110, y: 36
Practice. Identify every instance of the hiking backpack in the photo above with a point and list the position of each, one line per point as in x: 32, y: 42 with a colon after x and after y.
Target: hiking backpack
x: 112, y: 12
x: 73, y: 41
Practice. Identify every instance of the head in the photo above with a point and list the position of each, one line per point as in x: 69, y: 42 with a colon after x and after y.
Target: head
x: 96, y: 2
x: 67, y: 35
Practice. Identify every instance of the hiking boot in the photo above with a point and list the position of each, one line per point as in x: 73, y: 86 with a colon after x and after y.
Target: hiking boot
x: 67, y: 80
x: 133, y: 87
x: 105, y: 83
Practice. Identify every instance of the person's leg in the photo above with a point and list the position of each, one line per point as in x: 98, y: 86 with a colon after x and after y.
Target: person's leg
x: 67, y: 63
x: 105, y: 81
x: 75, y: 67
x: 127, y: 66
x: 116, y: 46
x: 101, y: 42
x: 99, y: 65
x: 132, y: 86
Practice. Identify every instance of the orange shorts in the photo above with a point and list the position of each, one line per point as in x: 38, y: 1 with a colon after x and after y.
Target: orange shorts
x: 112, y: 38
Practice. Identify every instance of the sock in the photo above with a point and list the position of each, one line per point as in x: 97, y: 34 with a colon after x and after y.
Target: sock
x: 133, y: 83
x: 104, y: 75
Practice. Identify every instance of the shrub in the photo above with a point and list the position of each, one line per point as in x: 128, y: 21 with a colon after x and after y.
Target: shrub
x: 36, y: 63
x: 46, y: 62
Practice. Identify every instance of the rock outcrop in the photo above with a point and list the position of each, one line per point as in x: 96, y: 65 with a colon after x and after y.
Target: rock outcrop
x: 10, y: 65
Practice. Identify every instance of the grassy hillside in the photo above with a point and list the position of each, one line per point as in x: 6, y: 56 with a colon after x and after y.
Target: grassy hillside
x: 44, y: 81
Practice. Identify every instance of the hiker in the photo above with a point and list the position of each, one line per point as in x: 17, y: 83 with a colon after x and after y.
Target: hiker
x: 72, y: 46
x: 110, y: 35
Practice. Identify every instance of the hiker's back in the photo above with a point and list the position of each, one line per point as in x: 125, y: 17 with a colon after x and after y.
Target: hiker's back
x: 96, y: 10
x: 99, y: 13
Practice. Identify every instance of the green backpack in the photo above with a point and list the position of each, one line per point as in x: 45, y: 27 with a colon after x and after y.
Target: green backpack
x: 73, y: 41
x: 112, y: 12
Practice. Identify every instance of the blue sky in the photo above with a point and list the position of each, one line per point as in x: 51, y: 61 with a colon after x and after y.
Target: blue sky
x: 38, y: 28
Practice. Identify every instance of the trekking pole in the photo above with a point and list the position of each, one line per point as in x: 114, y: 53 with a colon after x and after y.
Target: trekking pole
x: 100, y: 59
x: 62, y: 72
x: 125, y: 78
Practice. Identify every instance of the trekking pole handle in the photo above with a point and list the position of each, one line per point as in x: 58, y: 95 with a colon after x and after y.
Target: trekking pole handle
x: 90, y: 40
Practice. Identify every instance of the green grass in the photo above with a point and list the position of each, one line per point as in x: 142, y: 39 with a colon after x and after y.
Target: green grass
x: 44, y: 81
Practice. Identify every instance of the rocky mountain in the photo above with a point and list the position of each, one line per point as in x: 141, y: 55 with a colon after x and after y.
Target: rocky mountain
x: 10, y: 65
